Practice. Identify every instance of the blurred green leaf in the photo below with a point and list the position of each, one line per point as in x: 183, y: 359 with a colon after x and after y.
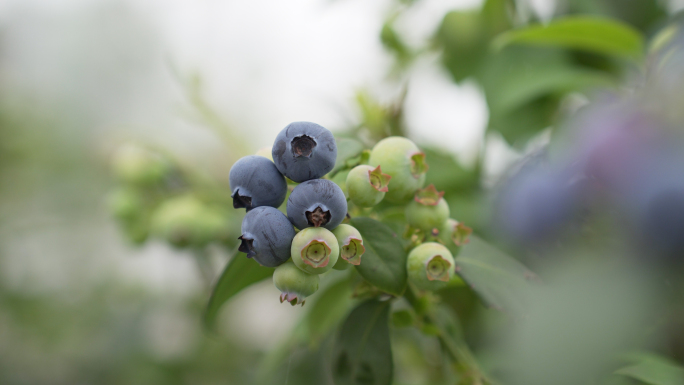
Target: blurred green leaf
x: 521, y: 124
x: 346, y: 149
x: 524, y: 85
x: 329, y: 308
x: 496, y: 15
x: 653, y: 370
x: 595, y: 34
x: 446, y: 326
x: 394, y: 43
x: 499, y: 280
x: 447, y: 174
x: 240, y: 273
x: 362, y: 353
x: 402, y: 319
x: 384, y: 262
x: 642, y: 14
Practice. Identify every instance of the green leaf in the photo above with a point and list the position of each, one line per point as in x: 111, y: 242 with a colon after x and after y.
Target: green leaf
x: 528, y: 85
x: 499, y: 280
x: 524, y: 85
x: 239, y: 273
x: 447, y: 174
x: 346, y: 149
x: 362, y: 353
x: 384, y: 262
x: 654, y: 370
x: 642, y: 14
x: 594, y: 34
x: 446, y: 326
x: 394, y: 43
x: 329, y: 307
x: 402, y: 319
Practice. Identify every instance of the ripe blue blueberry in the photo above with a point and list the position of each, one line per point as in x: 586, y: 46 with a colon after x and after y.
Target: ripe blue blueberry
x: 537, y: 203
x: 317, y: 203
x: 303, y: 151
x: 266, y: 236
x: 255, y: 182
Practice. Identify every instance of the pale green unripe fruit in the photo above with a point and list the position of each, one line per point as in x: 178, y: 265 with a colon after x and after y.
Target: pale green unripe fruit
x: 126, y: 204
x: 428, y: 211
x: 350, y: 243
x: 186, y: 221
x: 430, y: 266
x: 453, y: 232
x: 401, y: 159
x: 294, y: 284
x: 315, y: 250
x: 367, y: 185
x: 137, y: 165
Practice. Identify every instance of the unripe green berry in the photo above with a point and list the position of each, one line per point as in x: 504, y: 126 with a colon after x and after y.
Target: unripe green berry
x: 137, y: 232
x: 367, y: 185
x: 294, y: 284
x: 401, y: 159
x: 186, y: 221
x: 315, y: 250
x: 453, y: 232
x: 350, y: 243
x: 137, y: 165
x: 126, y: 204
x: 430, y: 266
x: 428, y: 211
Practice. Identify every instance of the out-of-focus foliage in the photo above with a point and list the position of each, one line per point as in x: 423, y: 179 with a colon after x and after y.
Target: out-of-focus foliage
x: 597, y: 213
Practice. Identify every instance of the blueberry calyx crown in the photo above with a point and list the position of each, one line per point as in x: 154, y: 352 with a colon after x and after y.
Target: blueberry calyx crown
x: 246, y: 246
x: 438, y: 269
x: 241, y: 201
x: 418, y: 164
x: 316, y: 253
x: 292, y: 298
x: 352, y: 251
x: 303, y: 146
x: 460, y: 234
x: 379, y: 180
x: 429, y: 196
x: 318, y: 217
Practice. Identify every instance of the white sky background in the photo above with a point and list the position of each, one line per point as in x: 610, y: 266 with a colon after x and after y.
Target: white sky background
x: 265, y: 63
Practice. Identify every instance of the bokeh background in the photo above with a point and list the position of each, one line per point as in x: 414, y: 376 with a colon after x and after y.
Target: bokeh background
x: 208, y: 81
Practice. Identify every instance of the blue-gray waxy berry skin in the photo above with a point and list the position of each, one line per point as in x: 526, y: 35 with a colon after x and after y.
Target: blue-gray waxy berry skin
x: 255, y: 181
x: 306, y: 199
x: 267, y: 236
x: 303, y: 151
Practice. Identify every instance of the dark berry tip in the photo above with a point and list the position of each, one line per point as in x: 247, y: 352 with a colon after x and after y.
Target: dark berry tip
x: 246, y: 246
x: 303, y: 146
x: 242, y: 201
x: 318, y: 217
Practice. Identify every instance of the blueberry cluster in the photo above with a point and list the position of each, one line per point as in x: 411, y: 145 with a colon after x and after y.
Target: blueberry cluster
x: 304, y: 153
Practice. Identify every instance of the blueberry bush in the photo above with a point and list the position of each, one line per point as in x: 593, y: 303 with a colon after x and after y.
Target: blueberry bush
x: 394, y: 246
